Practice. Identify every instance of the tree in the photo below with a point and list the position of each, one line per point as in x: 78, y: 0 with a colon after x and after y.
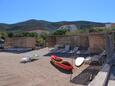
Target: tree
x: 22, y: 34
x: 33, y: 34
x: 10, y: 34
x: 3, y: 35
x: 39, y: 40
x: 44, y: 35
x: 59, y: 32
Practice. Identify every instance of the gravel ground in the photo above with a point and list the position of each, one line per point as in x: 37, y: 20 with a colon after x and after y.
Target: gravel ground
x: 36, y: 73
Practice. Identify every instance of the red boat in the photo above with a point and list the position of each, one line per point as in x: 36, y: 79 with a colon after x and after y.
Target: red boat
x: 56, y: 58
x: 57, y: 61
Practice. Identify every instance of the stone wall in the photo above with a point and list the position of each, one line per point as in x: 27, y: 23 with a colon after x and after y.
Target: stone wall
x: 20, y: 42
x: 51, y: 41
x: 75, y: 40
x: 101, y: 41
x: 78, y: 40
x: 97, y: 42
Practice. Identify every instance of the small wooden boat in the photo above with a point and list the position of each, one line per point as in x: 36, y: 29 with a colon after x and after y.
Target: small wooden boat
x: 57, y: 61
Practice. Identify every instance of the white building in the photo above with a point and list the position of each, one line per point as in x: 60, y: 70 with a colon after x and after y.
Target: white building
x: 71, y: 27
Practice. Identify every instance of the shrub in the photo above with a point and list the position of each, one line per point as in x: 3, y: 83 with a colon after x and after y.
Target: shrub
x: 59, y: 32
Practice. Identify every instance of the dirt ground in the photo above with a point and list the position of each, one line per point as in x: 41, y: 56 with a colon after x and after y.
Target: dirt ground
x: 36, y: 73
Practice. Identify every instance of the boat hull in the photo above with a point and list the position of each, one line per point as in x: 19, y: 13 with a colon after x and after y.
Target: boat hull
x: 61, y: 64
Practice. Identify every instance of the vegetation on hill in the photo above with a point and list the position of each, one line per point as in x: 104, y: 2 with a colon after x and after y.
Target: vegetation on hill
x: 59, y: 32
x: 45, y: 25
x: 80, y: 31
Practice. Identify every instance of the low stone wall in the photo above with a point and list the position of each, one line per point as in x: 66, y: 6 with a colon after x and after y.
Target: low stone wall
x: 51, y: 41
x: 78, y: 40
x: 20, y: 42
x: 97, y: 42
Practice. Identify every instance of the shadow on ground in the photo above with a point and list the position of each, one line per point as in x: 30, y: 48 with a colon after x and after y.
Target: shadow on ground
x: 59, y: 54
x: 17, y: 51
x: 86, y: 76
x: 62, y: 70
x: 67, y: 55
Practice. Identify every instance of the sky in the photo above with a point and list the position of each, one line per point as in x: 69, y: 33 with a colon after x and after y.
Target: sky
x: 13, y: 11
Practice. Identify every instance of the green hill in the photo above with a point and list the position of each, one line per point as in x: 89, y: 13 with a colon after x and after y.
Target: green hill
x: 33, y: 24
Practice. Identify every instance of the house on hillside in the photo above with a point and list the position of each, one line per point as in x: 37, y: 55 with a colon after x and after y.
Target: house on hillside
x: 113, y: 25
x: 71, y: 27
x: 108, y: 25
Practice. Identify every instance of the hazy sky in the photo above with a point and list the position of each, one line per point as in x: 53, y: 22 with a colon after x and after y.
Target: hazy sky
x: 12, y: 11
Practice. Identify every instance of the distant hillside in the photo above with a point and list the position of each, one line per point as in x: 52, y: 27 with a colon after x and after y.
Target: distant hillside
x: 46, y: 25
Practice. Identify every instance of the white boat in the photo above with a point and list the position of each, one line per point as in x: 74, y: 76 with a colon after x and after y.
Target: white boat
x: 29, y: 59
x: 79, y: 61
x: 25, y: 59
